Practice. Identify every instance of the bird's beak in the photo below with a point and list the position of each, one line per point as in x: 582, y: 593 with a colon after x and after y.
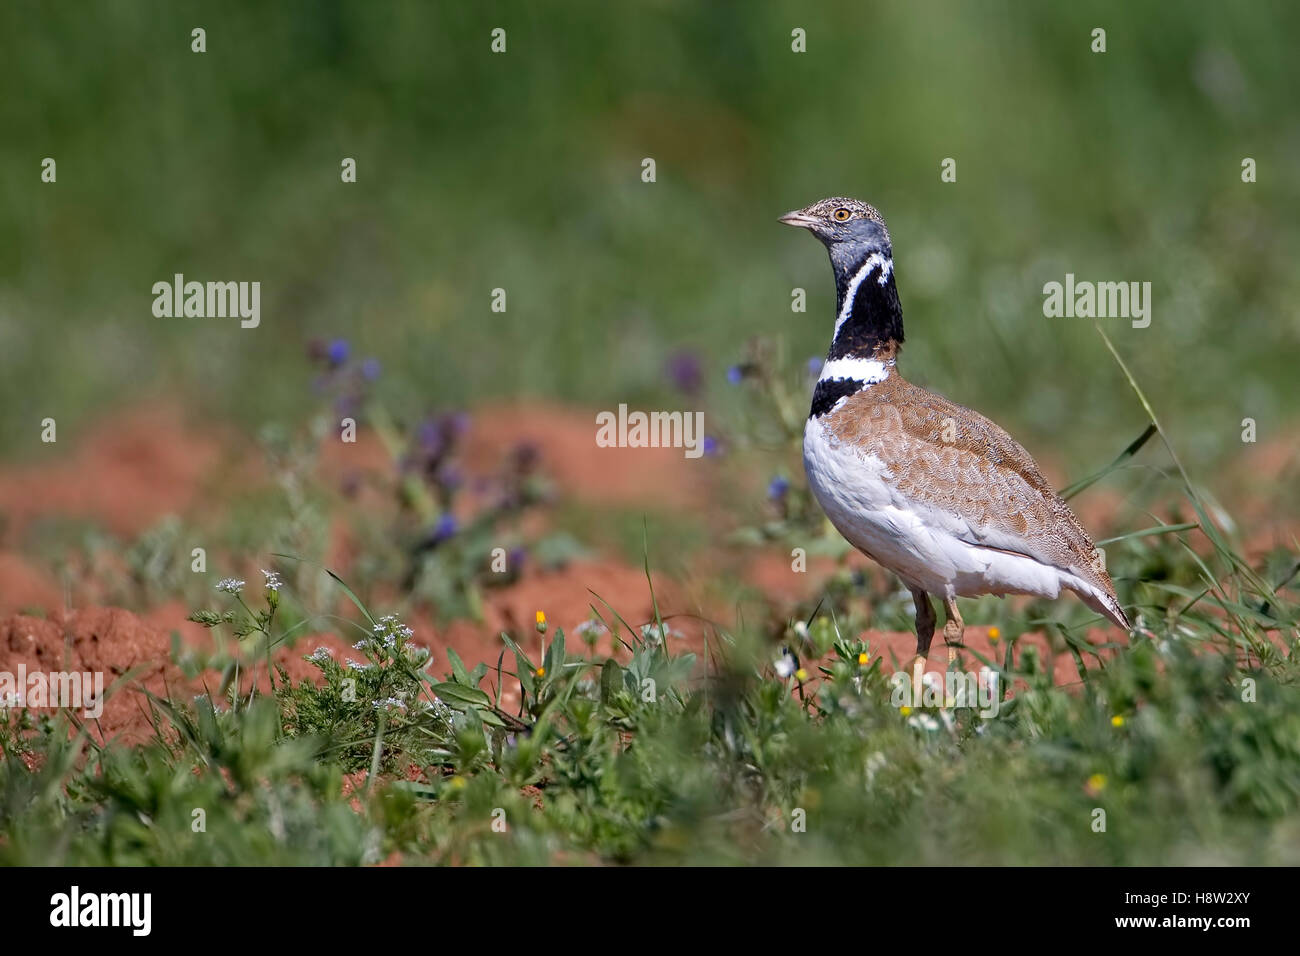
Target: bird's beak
x: 798, y: 218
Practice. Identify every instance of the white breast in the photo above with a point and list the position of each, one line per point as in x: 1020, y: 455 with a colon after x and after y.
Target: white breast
x: 854, y: 488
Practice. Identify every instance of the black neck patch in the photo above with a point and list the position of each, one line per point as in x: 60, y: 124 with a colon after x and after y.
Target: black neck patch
x: 875, y: 316
x: 827, y: 393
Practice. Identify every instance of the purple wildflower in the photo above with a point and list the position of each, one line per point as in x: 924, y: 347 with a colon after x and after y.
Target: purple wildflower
x: 338, y: 352
x: 444, y: 529
x: 429, y: 436
x: 454, y: 424
x: 685, y: 371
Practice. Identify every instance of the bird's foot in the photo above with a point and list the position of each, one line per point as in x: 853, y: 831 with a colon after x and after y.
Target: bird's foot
x: 953, y: 631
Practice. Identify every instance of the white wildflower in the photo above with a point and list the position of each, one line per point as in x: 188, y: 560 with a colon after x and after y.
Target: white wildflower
x: 784, y: 666
x: 230, y: 585
x: 438, y: 708
x: 923, y: 722
x: 652, y: 634
x: 388, y: 630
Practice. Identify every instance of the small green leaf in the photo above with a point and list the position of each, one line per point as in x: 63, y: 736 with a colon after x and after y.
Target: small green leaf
x: 555, y: 655
x: 460, y: 696
x: 477, y: 674
x: 458, y: 667
x: 611, y: 681
x: 524, y: 668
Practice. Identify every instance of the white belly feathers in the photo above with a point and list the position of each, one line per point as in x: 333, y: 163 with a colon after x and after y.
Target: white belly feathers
x: 856, y: 490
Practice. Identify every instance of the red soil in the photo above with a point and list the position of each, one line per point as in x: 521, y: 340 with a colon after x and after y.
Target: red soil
x: 22, y: 585
x: 117, y: 644
x: 126, y: 475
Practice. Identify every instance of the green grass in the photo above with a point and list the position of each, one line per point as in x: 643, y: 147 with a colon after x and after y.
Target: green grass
x: 1188, y: 745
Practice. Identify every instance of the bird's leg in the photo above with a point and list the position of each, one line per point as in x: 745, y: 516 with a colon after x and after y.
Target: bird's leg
x: 925, y: 619
x: 953, y: 629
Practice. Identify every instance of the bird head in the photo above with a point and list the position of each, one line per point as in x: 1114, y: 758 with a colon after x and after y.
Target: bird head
x: 851, y: 230
x: 837, y: 219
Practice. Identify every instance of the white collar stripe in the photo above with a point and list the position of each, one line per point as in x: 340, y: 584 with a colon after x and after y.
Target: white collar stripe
x: 867, y: 371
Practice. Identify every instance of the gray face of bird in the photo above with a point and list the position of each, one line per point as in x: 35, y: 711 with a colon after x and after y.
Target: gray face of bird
x: 851, y: 230
x: 853, y: 243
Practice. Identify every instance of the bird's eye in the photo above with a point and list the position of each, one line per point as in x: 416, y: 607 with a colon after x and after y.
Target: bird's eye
x: 842, y: 214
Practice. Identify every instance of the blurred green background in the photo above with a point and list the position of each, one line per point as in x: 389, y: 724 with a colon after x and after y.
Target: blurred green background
x: 522, y: 171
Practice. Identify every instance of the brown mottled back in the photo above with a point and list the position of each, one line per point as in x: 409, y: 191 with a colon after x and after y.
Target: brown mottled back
x: 982, y: 475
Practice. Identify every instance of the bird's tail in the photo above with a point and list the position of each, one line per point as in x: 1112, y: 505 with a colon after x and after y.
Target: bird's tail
x: 1105, y: 603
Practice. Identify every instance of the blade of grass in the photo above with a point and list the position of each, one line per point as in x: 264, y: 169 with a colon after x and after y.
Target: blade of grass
x: 377, y: 752
x: 654, y: 602
x: 1147, y: 532
x: 1133, y: 448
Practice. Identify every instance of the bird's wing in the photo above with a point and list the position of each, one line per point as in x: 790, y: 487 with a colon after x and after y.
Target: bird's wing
x: 969, y: 475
